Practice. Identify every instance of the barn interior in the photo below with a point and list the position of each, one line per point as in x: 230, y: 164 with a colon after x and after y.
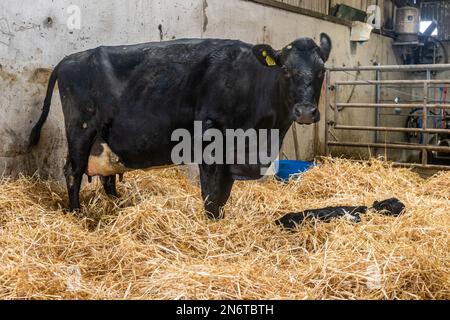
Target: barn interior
x: 26, y: 64
x: 385, y: 129
x: 27, y: 60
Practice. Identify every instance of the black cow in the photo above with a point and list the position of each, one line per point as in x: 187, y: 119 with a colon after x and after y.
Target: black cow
x: 121, y: 104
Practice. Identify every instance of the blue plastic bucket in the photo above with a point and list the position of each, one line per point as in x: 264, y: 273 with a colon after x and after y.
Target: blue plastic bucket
x: 285, y: 169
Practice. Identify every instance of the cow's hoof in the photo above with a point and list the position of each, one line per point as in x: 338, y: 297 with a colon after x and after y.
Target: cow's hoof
x: 72, y: 209
x: 215, y: 216
x: 76, y: 212
x: 113, y: 196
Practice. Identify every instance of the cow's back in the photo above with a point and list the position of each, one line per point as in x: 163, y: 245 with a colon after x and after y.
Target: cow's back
x: 142, y: 93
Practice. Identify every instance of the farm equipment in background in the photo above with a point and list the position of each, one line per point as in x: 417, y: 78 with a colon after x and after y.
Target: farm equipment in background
x: 415, y: 47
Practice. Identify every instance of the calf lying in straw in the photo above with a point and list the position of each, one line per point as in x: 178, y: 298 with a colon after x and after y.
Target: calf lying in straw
x: 391, y: 207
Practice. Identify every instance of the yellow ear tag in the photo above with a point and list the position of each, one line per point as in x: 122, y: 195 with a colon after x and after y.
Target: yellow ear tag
x: 269, y: 60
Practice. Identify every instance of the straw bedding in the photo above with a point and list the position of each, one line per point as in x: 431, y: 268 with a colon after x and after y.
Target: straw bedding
x: 155, y: 242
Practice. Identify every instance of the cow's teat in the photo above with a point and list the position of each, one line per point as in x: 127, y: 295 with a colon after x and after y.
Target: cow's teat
x: 103, y: 161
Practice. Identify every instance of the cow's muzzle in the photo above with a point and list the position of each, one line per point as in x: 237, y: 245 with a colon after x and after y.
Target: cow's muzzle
x: 306, y: 113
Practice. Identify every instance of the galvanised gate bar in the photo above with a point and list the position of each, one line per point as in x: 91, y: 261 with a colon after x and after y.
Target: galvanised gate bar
x: 334, y: 105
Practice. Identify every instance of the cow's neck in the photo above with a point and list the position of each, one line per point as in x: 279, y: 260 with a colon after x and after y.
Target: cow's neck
x: 283, y: 103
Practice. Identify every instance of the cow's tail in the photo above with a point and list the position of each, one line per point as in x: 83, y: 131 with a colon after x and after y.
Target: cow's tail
x: 36, y: 132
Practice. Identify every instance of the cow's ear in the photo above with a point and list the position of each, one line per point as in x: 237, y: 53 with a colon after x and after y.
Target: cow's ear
x: 266, y: 55
x: 325, y: 46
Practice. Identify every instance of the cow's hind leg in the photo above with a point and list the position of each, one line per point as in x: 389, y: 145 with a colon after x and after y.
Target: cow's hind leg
x: 109, y: 184
x: 73, y: 182
x: 216, y: 182
x: 79, y: 143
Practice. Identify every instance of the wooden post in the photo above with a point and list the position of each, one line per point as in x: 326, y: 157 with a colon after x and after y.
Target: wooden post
x: 296, y: 144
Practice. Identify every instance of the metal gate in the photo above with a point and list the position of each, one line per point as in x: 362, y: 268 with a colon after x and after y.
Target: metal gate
x: 425, y: 105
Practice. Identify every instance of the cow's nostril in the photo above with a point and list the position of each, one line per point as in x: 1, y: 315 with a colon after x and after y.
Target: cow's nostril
x: 306, y: 113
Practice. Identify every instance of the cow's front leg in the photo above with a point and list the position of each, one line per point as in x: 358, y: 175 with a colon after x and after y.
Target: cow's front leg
x: 216, y: 182
x: 109, y: 184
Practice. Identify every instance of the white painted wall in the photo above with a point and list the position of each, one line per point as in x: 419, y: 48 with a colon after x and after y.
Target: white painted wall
x: 29, y: 46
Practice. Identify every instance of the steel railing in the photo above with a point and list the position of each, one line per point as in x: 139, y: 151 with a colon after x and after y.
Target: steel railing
x: 332, y: 121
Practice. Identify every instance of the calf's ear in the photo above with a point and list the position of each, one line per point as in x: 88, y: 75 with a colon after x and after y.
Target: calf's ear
x: 266, y: 55
x: 325, y: 46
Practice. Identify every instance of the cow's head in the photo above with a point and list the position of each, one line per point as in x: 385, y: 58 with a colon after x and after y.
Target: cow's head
x: 303, y: 64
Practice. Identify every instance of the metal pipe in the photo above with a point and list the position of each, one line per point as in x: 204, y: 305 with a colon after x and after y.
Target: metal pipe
x: 426, y: 104
x: 327, y: 106
x: 382, y: 82
x: 390, y: 129
x: 418, y: 165
x: 429, y: 31
x: 336, y: 99
x: 394, y: 68
x: 407, y: 115
x: 414, y: 165
x: 378, y: 75
x: 391, y: 105
x: 426, y: 136
x: 389, y: 146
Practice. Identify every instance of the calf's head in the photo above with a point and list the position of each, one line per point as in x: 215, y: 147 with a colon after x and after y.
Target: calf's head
x: 303, y: 66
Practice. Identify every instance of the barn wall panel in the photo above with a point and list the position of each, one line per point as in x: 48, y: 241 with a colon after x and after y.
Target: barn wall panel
x: 314, y: 5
